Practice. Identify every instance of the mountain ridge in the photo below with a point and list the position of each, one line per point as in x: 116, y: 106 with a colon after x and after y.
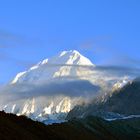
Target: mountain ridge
x: 91, y: 128
x: 122, y: 102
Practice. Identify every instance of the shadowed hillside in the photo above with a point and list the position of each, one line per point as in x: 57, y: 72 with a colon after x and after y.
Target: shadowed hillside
x: 125, y: 101
x: 91, y: 128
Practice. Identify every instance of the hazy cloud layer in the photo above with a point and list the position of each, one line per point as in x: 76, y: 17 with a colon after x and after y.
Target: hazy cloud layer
x: 73, y: 89
x: 65, y: 88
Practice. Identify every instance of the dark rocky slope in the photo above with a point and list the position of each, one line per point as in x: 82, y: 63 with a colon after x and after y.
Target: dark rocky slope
x: 125, y: 101
x: 90, y: 128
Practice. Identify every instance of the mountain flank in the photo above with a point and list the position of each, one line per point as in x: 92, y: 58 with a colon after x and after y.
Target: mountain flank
x: 13, y: 127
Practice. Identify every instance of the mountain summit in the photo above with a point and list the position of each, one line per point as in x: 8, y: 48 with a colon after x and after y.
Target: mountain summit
x: 63, y: 64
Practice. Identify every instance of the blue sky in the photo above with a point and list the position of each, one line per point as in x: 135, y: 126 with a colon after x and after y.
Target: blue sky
x: 106, y: 31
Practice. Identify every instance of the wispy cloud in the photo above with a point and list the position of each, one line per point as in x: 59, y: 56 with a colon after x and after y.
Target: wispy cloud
x: 11, y: 39
x: 4, y: 57
x: 73, y: 89
x: 7, y: 35
x: 95, y: 44
x: 101, y: 47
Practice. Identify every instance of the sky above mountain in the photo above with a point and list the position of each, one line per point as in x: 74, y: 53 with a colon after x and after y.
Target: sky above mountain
x: 107, y: 32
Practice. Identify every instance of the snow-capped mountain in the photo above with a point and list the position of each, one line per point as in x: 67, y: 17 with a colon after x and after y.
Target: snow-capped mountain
x: 50, y: 89
x: 65, y: 64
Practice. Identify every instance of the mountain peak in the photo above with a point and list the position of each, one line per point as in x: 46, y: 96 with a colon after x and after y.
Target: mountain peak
x: 70, y: 52
x: 71, y: 57
x: 60, y: 65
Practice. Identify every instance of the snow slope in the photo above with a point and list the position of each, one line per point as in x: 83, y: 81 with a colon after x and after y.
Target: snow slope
x: 62, y: 65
